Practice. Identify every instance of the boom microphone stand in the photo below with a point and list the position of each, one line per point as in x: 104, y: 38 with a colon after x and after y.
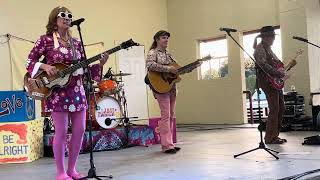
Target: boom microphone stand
x: 89, y: 92
x: 261, y: 144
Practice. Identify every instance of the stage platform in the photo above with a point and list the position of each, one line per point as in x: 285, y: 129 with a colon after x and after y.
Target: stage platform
x: 206, y: 154
x: 107, y: 139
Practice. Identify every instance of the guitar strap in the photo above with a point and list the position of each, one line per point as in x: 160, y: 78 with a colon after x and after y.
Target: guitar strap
x: 269, y: 56
x: 74, y: 58
x: 146, y: 79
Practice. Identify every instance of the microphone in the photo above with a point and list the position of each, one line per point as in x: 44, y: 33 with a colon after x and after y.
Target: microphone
x: 300, y: 39
x: 228, y: 30
x: 108, y: 74
x: 76, y: 22
x: 108, y: 121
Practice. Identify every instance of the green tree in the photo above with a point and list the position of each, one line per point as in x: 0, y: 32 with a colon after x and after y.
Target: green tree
x: 251, y: 83
x: 223, y: 70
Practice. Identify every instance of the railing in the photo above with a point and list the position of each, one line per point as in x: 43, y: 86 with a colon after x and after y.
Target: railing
x: 251, y: 106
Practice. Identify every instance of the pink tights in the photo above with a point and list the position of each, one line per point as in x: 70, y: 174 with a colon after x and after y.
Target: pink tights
x: 61, y: 120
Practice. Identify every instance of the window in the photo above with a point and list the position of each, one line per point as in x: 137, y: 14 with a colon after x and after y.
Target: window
x: 217, y: 67
x: 248, y: 40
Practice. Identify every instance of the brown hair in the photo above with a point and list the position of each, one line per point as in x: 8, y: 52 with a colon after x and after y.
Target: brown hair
x: 157, y: 36
x: 52, y: 22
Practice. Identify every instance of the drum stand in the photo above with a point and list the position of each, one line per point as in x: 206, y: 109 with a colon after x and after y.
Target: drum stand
x: 125, y: 119
x: 90, y: 93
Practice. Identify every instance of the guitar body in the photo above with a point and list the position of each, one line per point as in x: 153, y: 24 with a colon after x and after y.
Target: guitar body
x: 163, y: 82
x: 41, y: 85
x: 277, y: 83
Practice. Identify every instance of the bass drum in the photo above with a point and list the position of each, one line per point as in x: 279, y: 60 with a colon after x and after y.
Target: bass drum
x: 106, y: 114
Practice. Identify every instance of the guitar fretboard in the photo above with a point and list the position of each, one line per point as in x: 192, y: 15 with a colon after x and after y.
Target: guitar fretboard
x: 187, y: 68
x: 85, y: 63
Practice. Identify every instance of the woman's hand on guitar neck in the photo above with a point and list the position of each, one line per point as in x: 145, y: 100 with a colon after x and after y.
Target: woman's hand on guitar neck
x: 173, y: 70
x: 50, y: 70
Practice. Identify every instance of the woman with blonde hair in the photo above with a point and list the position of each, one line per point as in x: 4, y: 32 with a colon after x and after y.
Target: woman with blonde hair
x: 58, y: 46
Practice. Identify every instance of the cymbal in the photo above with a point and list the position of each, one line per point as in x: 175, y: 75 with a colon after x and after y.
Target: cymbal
x: 122, y: 74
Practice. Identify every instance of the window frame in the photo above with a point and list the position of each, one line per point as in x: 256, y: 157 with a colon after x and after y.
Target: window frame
x: 211, y: 39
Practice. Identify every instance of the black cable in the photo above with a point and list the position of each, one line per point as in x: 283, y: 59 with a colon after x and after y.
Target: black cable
x: 4, y: 42
x: 297, y: 176
x: 209, y: 129
x: 19, y: 38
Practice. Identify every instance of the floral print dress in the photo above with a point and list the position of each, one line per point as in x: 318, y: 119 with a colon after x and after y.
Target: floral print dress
x: 72, y: 97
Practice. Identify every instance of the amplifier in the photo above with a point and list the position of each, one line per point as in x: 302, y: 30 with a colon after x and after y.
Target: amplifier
x: 293, y: 110
x: 293, y: 98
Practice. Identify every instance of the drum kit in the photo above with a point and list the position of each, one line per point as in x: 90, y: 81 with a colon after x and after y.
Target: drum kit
x: 111, y: 109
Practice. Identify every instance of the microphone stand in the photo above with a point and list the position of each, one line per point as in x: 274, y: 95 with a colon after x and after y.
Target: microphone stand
x: 90, y: 92
x: 261, y: 144
x: 305, y: 40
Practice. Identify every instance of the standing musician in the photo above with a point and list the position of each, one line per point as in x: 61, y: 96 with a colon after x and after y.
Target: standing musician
x: 268, y: 61
x: 57, y: 46
x: 158, y: 59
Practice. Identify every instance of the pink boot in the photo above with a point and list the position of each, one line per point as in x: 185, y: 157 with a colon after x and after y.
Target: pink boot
x: 75, y: 175
x: 63, y: 177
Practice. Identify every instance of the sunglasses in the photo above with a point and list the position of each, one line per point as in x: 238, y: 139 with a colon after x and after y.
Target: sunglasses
x: 65, y: 15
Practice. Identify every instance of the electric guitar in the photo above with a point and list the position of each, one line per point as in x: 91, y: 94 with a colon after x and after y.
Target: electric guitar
x: 162, y: 82
x: 41, y: 85
x: 278, y: 83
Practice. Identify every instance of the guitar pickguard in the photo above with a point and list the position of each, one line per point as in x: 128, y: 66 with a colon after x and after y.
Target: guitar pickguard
x: 57, y: 82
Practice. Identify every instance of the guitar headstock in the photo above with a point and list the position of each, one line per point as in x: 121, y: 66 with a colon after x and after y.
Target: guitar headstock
x: 299, y: 52
x: 206, y: 58
x: 128, y: 44
x: 293, y: 61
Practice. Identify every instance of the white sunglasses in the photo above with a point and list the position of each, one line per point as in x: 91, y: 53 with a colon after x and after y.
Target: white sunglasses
x: 65, y: 15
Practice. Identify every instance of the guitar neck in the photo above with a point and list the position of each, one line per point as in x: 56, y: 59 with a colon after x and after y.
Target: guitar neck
x: 187, y: 68
x: 288, y: 67
x: 293, y: 62
x: 86, y: 62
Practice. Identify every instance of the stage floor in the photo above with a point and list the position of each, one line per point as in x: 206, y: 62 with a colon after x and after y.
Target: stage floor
x: 205, y: 155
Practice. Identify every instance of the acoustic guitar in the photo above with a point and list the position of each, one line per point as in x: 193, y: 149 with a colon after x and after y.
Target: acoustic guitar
x: 162, y: 82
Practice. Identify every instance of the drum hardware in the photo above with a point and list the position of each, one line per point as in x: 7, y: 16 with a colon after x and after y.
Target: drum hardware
x: 122, y: 74
x: 48, y: 126
x: 112, y: 108
x: 126, y: 119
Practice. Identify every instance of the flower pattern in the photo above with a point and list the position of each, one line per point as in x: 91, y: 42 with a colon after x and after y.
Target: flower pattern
x: 76, y: 89
x: 56, y: 98
x: 72, y: 108
x: 81, y: 106
x: 77, y: 98
x: 72, y: 97
x: 78, y: 83
x: 64, y: 50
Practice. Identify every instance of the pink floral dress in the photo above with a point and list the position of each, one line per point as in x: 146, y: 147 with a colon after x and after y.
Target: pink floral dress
x: 72, y: 97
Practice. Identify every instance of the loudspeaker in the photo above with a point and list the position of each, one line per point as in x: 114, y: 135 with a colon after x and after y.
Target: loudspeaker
x: 316, y: 117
